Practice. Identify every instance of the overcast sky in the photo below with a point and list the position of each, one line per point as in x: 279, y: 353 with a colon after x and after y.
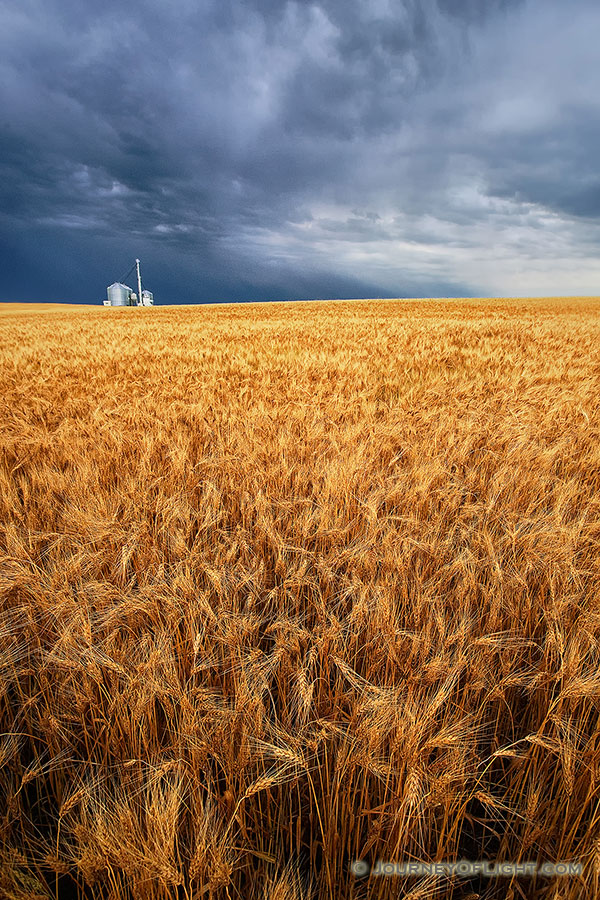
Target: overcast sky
x: 266, y: 150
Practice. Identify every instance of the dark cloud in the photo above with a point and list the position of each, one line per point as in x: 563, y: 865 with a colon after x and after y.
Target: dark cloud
x: 475, y: 11
x: 268, y: 150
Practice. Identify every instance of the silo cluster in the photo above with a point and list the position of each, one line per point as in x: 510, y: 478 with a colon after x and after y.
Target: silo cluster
x: 120, y: 294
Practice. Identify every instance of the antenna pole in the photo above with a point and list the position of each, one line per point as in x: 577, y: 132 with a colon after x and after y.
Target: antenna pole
x: 139, y: 279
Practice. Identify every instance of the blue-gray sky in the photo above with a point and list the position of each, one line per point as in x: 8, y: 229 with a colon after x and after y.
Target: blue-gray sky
x: 265, y: 150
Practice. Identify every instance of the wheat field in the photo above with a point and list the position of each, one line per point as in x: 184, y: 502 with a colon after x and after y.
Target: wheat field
x: 286, y: 586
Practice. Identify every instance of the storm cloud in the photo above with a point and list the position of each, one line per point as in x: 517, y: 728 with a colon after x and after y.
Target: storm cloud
x: 276, y: 150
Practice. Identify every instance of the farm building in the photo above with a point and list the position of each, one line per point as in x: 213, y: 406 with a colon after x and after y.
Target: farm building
x: 120, y: 294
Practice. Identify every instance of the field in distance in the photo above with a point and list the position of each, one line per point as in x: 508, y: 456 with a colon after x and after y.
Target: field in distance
x: 287, y: 586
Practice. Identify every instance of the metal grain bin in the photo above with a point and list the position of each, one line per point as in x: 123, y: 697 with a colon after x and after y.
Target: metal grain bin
x: 118, y: 294
x: 147, y: 298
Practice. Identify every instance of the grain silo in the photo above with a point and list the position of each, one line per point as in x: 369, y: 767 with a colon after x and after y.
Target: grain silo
x: 119, y: 294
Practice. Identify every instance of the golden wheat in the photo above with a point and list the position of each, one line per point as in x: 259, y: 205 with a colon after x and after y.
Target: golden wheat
x: 285, y: 586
